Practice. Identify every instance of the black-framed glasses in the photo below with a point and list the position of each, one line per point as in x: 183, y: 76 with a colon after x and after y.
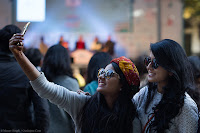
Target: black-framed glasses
x: 108, y: 74
x: 153, y: 62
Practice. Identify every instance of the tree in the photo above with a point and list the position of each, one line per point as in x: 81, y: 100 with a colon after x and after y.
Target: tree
x: 192, y: 10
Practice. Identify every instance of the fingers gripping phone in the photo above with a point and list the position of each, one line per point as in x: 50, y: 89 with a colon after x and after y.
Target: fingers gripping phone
x: 23, y: 32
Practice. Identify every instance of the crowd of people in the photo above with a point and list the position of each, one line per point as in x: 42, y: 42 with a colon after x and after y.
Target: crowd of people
x: 157, y: 93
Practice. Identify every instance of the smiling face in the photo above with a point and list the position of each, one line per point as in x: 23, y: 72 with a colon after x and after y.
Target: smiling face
x: 158, y: 75
x: 109, y: 86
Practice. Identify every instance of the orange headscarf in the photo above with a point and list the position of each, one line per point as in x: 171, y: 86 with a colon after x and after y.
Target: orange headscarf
x: 129, y: 70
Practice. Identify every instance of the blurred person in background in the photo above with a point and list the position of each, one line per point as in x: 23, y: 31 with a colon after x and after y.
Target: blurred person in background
x: 17, y: 98
x: 139, y: 62
x: 109, y: 46
x: 96, y: 45
x: 43, y: 47
x: 63, y: 43
x: 109, y: 110
x: 98, y: 60
x: 195, y: 94
x: 195, y: 62
x: 80, y: 44
x: 81, y: 80
x: 57, y: 68
x: 35, y: 57
x: 163, y: 105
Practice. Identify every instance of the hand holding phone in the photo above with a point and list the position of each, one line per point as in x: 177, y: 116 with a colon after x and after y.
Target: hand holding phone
x: 23, y: 32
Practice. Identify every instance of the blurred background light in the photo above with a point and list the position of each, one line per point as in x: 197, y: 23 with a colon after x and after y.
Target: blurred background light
x: 31, y: 10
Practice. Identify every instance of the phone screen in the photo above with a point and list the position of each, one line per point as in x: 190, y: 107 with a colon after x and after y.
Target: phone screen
x: 23, y: 32
x: 25, y: 28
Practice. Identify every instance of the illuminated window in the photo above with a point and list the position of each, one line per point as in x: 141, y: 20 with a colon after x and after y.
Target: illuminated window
x: 31, y: 10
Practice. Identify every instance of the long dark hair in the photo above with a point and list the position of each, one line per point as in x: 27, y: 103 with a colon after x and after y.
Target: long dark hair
x: 98, y: 60
x: 171, y: 56
x: 56, y: 62
x: 97, y: 117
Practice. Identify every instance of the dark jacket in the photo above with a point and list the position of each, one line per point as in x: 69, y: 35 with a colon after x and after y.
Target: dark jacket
x: 20, y: 107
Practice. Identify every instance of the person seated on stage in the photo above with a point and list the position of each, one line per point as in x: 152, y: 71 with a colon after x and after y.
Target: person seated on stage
x: 96, y: 45
x: 109, y: 46
x: 80, y: 44
x: 63, y: 43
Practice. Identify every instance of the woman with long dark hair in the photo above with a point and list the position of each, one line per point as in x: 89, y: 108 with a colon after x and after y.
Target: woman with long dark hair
x: 110, y: 110
x: 57, y: 64
x: 57, y: 68
x: 163, y: 105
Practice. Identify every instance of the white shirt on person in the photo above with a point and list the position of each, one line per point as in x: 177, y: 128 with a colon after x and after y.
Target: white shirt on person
x: 185, y: 122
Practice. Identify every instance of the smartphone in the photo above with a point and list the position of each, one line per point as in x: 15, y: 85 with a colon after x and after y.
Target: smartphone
x: 23, y: 32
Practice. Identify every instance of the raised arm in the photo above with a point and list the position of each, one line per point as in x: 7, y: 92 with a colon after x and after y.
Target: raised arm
x: 70, y: 101
x: 29, y: 69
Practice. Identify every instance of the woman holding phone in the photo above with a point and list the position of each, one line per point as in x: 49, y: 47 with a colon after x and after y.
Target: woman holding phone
x: 109, y: 110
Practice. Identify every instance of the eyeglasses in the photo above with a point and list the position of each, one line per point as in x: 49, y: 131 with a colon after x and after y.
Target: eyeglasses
x: 153, y: 62
x: 108, y: 74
